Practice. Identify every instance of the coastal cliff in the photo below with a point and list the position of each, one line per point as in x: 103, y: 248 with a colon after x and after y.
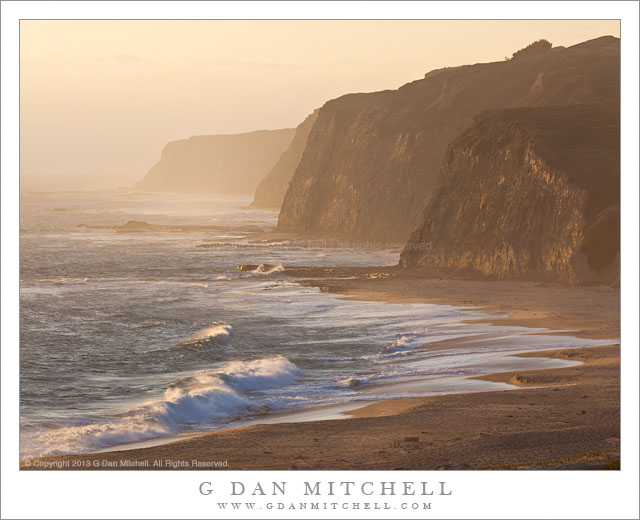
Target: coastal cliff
x: 372, y: 160
x: 271, y: 190
x: 232, y: 163
x: 529, y: 193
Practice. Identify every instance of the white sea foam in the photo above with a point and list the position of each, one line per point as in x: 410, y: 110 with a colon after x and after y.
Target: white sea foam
x: 62, y: 280
x: 220, y: 333
x: 351, y: 382
x: 403, y: 343
x: 265, y: 269
x: 197, y: 398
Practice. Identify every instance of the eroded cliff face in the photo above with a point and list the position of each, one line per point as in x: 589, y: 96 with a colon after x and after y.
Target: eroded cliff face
x: 217, y: 163
x: 372, y: 160
x: 271, y: 190
x: 529, y: 193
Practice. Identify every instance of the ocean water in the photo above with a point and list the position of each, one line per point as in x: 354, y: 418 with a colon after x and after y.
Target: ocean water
x: 149, y: 330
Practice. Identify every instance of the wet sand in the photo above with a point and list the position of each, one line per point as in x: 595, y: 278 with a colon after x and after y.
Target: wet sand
x: 559, y: 418
x: 589, y: 312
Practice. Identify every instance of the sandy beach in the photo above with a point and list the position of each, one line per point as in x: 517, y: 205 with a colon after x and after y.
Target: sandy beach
x: 560, y: 418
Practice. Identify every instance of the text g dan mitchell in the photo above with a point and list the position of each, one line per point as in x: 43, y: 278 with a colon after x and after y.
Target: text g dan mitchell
x: 328, y: 488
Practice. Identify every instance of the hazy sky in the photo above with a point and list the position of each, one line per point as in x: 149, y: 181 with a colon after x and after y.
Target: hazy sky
x: 99, y: 99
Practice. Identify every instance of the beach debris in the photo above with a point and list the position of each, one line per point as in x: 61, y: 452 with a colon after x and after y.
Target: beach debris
x: 377, y: 275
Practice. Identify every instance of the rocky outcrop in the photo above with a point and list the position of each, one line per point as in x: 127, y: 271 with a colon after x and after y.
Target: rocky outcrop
x: 217, y: 163
x: 372, y: 160
x: 529, y: 193
x: 271, y: 190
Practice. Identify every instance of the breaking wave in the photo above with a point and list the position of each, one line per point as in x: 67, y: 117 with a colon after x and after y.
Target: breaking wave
x: 196, y: 399
x: 216, y: 333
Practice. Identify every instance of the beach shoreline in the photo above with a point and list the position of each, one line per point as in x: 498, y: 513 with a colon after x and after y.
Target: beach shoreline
x: 470, y: 442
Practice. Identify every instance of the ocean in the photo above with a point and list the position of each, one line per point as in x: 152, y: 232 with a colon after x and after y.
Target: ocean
x: 135, y: 324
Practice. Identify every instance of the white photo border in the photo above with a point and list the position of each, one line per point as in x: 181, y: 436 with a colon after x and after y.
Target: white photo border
x: 160, y: 494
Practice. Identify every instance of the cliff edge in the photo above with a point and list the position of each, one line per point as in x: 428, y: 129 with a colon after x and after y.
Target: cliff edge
x: 271, y: 190
x: 372, y: 160
x: 528, y: 193
x: 232, y: 163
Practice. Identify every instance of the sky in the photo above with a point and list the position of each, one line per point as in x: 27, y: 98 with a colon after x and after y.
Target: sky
x: 100, y: 99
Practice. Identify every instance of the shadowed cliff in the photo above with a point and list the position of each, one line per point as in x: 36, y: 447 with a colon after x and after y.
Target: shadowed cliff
x: 217, y: 163
x: 372, y: 160
x: 270, y: 192
x: 529, y: 193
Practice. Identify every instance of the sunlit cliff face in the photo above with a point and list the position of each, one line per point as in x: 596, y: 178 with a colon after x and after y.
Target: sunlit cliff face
x: 96, y: 110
